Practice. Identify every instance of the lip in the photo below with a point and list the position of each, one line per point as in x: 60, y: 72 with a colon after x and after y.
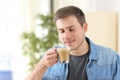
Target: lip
x: 69, y: 43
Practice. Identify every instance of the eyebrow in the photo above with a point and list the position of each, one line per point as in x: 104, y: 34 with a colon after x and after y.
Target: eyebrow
x: 67, y: 27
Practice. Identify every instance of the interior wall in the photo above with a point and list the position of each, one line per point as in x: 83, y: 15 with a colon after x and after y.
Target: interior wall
x: 110, y: 5
x: 79, y: 3
x: 102, y: 28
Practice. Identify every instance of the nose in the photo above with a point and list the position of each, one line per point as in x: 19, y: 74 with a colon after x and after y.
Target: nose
x: 66, y: 34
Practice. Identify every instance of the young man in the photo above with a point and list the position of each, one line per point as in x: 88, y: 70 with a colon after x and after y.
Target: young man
x: 88, y: 61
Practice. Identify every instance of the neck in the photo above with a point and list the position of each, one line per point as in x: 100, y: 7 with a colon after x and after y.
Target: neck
x: 81, y: 50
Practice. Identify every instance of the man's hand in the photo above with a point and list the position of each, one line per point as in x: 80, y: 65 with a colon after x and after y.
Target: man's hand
x: 50, y: 57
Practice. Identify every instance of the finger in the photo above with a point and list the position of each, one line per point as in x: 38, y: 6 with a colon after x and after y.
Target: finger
x: 51, y: 62
x: 51, y: 51
x: 53, y: 55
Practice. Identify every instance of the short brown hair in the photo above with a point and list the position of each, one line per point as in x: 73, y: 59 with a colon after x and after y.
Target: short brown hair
x: 69, y: 11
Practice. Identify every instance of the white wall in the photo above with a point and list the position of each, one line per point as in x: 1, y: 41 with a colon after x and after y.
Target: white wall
x: 80, y: 3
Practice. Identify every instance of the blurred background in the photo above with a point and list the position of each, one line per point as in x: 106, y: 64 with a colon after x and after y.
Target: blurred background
x: 25, y: 23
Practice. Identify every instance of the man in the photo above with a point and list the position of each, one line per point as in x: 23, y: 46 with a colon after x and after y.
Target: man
x: 88, y: 61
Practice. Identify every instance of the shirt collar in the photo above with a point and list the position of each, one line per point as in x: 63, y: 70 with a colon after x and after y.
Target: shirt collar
x: 92, y: 52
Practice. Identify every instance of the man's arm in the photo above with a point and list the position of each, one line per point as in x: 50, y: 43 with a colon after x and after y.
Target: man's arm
x: 49, y: 59
x: 38, y: 71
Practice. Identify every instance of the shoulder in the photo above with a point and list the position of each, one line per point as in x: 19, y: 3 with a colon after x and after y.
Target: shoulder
x: 106, y: 55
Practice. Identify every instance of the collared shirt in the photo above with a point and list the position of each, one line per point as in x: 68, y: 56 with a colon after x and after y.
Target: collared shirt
x: 104, y: 64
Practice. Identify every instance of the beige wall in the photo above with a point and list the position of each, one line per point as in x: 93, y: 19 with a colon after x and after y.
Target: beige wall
x: 31, y: 9
x: 102, y: 28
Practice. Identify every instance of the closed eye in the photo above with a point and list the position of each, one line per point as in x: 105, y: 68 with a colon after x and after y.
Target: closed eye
x: 71, y: 30
x: 61, y: 31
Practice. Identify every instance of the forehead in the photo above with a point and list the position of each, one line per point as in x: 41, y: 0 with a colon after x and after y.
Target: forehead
x: 67, y: 22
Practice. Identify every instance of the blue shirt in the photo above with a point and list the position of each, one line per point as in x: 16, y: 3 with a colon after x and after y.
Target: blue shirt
x: 104, y: 64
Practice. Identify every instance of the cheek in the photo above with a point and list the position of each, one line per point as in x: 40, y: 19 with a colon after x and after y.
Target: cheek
x: 79, y: 35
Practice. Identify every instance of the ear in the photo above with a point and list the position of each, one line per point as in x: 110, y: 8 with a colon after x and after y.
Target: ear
x: 85, y: 27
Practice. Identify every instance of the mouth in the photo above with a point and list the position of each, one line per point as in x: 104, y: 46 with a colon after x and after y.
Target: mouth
x: 69, y: 43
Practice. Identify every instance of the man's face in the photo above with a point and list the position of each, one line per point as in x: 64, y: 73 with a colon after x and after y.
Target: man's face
x: 71, y: 33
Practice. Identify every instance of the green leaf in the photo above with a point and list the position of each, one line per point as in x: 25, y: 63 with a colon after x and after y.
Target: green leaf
x: 33, y: 45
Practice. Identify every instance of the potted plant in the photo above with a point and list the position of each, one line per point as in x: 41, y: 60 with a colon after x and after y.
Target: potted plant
x: 34, y: 46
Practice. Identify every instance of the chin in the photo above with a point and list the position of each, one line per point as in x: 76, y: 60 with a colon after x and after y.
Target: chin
x: 70, y: 46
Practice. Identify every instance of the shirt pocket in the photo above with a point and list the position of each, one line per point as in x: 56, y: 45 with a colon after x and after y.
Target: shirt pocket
x: 51, y: 77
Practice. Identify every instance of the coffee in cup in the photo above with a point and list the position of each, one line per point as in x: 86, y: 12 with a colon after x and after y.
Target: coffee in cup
x: 64, y: 54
